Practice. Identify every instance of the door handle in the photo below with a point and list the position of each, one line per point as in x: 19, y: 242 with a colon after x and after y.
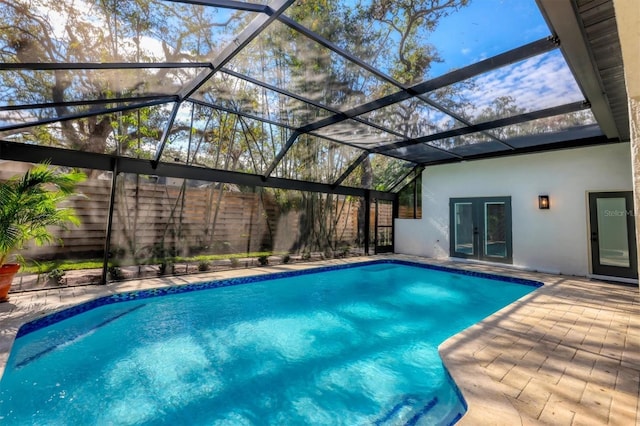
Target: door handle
x: 594, y: 237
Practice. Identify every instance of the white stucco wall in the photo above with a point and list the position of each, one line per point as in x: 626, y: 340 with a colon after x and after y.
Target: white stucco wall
x: 554, y: 240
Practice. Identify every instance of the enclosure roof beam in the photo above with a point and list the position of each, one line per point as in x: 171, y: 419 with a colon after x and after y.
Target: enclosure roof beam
x: 417, y: 170
x: 582, y: 138
x: 165, y: 133
x: 350, y: 169
x: 461, y: 119
x: 83, y: 159
x: 516, y: 119
x: 507, y: 58
x: 305, y: 100
x: 402, y: 178
x: 282, y: 153
x: 348, y: 56
x: 92, y: 113
x: 227, y: 4
x: 51, y: 66
x: 336, y: 49
x: 333, y: 47
x: 277, y: 89
x: 271, y: 122
x: 84, y: 102
x: 241, y: 114
x: 250, y: 32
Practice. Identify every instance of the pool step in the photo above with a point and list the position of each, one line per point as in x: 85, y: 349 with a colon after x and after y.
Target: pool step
x: 406, y: 408
x: 407, y: 402
x: 413, y: 420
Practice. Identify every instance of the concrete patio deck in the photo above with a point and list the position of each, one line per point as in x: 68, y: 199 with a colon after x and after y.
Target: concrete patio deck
x: 566, y: 354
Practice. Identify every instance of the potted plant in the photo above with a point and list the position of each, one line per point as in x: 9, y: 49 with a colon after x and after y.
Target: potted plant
x: 28, y: 207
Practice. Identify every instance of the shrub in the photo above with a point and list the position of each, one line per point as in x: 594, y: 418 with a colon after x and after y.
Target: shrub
x: 115, y: 273
x: 166, y: 267
x: 56, y: 275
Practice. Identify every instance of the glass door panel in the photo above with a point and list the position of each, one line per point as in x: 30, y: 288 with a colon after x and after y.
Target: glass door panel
x: 495, y: 230
x: 613, y: 244
x: 464, y: 229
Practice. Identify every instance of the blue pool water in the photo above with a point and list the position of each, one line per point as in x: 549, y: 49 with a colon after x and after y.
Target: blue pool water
x: 354, y: 345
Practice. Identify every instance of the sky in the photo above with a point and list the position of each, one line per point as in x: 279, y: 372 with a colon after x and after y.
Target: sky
x: 486, y: 28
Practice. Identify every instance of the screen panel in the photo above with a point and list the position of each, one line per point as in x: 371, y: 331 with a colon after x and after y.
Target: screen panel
x: 316, y: 160
x: 421, y: 153
x: 564, y: 126
x: 236, y: 94
x: 132, y: 133
x: 540, y: 82
x: 417, y: 35
x: 69, y: 31
x: 207, y: 137
x: 358, y: 134
x: 378, y: 172
x: 286, y: 59
x: 25, y: 87
x: 413, y: 118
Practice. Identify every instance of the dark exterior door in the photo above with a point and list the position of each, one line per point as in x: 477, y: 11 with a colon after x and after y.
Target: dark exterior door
x: 613, y: 235
x: 382, y: 226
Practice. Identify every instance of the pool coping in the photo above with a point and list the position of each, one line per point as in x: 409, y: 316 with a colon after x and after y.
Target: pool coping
x: 468, y: 356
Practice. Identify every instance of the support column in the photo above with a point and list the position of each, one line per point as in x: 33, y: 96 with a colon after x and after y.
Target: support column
x: 107, y: 239
x: 628, y: 20
x: 367, y: 221
x: 394, y: 215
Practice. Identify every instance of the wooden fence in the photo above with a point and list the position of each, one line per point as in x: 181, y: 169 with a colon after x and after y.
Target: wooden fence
x: 187, y: 221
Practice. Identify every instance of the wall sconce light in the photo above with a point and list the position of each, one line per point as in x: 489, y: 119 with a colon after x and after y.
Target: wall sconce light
x: 543, y: 202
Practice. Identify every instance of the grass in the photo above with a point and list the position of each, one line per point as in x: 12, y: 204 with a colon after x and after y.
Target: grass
x: 46, y: 266
x: 63, y: 265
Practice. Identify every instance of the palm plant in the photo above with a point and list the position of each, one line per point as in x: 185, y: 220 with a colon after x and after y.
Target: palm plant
x: 29, y: 206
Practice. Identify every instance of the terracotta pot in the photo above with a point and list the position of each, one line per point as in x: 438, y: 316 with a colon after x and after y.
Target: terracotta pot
x: 7, y: 272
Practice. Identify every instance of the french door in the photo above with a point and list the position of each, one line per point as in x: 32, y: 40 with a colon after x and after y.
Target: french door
x: 613, y: 236
x: 480, y: 228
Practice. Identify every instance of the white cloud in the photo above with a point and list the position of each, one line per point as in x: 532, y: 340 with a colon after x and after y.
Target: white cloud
x: 536, y: 83
x: 152, y: 47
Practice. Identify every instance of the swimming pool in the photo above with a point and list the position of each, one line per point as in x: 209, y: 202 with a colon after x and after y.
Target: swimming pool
x: 353, y: 344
